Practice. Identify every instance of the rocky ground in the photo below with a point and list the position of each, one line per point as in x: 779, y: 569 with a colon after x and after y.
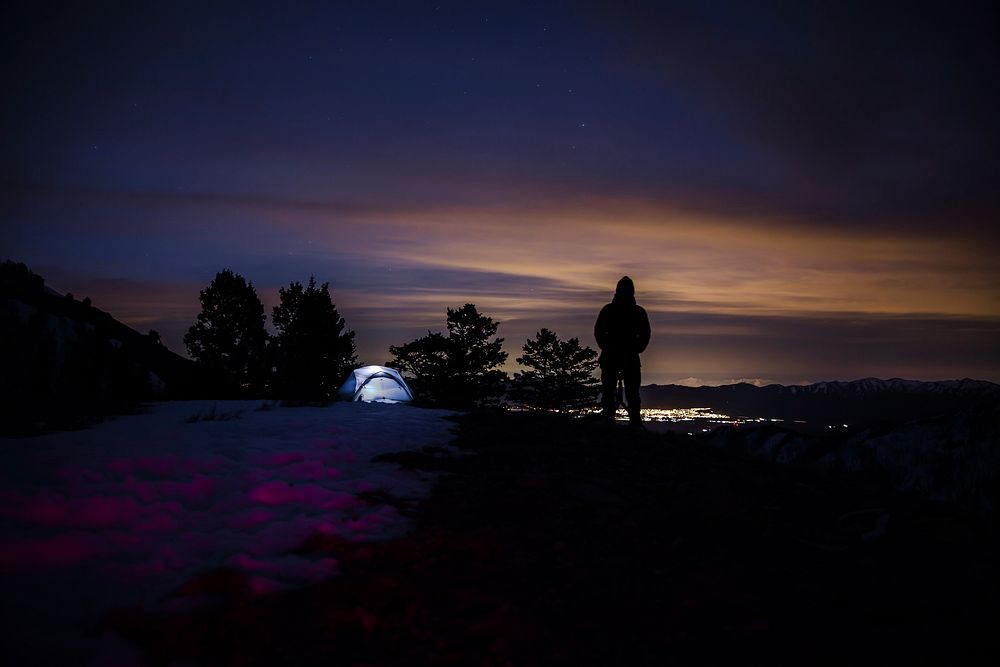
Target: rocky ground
x: 555, y: 541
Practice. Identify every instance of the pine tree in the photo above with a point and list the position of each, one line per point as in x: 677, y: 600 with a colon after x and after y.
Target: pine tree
x: 459, y: 370
x: 560, y: 374
x: 229, y: 336
x: 313, y: 352
x: 425, y: 362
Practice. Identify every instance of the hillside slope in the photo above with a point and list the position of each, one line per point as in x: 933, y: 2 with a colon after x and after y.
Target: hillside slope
x: 65, y: 361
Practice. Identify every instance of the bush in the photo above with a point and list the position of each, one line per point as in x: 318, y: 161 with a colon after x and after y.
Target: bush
x: 312, y: 351
x: 229, y: 338
x: 560, y: 374
x: 459, y: 370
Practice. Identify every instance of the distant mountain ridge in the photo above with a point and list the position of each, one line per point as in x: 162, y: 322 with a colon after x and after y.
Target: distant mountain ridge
x: 864, y: 400
x: 875, y: 385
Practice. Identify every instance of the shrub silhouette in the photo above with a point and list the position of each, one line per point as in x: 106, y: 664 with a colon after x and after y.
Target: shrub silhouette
x: 229, y: 336
x: 312, y: 351
x: 459, y: 370
x: 560, y: 374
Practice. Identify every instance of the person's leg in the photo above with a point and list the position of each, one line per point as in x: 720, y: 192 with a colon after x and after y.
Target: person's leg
x: 633, y: 376
x: 609, y: 380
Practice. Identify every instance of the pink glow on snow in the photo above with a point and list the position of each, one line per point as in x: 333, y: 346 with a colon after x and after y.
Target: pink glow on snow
x: 252, y: 519
x: 366, y: 619
x: 249, y: 564
x: 279, y: 492
x: 126, y: 541
x: 312, y: 470
x: 360, y: 525
x: 66, y: 550
x: 161, y: 522
x: 146, y: 510
x: 137, y: 573
x: 343, y: 456
x: 45, y: 511
x: 371, y: 521
x: 282, y: 458
x: 263, y: 586
x: 54, y: 510
x: 74, y: 475
x: 103, y: 512
x: 138, y: 510
x: 144, y: 491
x: 295, y: 568
x: 165, y: 466
x: 194, y: 492
x: 281, y: 537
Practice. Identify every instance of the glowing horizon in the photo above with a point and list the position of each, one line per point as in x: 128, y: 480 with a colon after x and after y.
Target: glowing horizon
x: 697, y: 278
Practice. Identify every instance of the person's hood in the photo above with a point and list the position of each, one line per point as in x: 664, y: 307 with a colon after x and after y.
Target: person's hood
x: 624, y: 291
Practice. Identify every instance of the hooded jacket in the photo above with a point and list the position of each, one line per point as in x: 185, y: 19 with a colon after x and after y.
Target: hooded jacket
x: 622, y: 328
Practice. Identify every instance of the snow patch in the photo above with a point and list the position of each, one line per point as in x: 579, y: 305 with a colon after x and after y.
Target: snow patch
x: 136, y: 507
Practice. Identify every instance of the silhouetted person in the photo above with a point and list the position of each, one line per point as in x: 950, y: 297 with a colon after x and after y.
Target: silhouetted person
x: 622, y: 332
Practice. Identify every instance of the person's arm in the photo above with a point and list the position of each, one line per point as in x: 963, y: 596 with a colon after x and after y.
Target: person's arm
x: 642, y: 339
x: 601, y: 328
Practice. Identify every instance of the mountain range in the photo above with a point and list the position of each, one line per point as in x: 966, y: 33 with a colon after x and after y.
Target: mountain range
x: 865, y: 400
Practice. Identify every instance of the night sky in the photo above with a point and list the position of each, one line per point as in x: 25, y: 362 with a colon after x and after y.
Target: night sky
x: 801, y: 191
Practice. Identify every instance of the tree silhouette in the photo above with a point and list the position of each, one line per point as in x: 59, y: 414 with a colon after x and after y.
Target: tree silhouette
x: 18, y: 281
x: 425, y: 362
x: 229, y: 336
x: 312, y: 351
x: 459, y: 370
x: 560, y: 374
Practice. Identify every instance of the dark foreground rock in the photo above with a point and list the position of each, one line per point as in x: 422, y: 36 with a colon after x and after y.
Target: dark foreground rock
x: 554, y: 541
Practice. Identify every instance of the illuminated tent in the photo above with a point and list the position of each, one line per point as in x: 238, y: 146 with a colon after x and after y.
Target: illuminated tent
x: 376, y: 384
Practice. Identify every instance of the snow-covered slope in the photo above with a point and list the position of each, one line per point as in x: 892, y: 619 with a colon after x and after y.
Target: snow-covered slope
x: 126, y: 512
x: 952, y: 458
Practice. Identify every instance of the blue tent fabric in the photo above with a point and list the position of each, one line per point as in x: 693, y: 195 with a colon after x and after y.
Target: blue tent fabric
x: 375, y: 384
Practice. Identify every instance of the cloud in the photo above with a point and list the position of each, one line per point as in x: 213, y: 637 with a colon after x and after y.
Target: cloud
x: 689, y: 382
x: 756, y: 170
x: 844, y: 113
x: 734, y: 300
x: 788, y: 349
